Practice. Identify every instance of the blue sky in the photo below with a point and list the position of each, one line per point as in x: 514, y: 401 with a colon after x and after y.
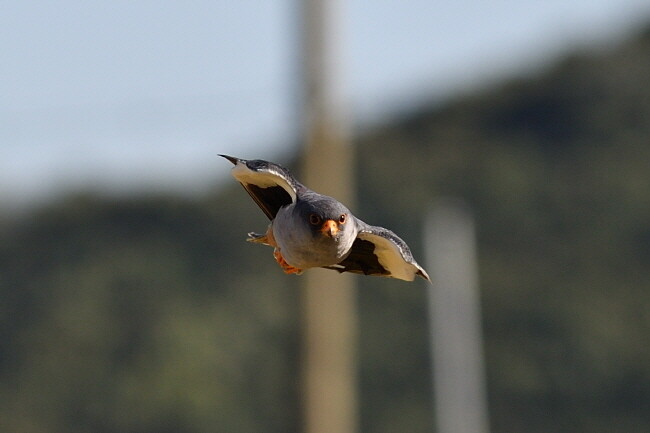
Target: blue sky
x: 126, y: 95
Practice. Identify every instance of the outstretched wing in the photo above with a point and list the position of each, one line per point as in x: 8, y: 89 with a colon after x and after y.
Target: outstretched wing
x: 379, y: 251
x: 269, y: 184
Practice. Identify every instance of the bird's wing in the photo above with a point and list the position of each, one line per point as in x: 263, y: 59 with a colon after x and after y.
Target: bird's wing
x: 379, y: 251
x: 269, y: 184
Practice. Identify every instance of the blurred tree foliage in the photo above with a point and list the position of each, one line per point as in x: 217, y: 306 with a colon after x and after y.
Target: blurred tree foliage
x: 151, y: 314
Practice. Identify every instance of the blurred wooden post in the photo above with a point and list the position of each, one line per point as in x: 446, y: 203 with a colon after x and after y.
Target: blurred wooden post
x: 329, y: 373
x: 455, y: 320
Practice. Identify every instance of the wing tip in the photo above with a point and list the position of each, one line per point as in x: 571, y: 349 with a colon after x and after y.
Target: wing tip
x: 232, y: 159
x: 421, y: 272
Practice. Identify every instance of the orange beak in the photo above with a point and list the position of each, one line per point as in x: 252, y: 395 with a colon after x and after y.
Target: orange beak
x: 330, y: 228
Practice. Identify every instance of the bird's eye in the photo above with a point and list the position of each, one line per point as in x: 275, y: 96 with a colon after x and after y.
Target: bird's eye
x: 314, y: 219
x: 342, y: 219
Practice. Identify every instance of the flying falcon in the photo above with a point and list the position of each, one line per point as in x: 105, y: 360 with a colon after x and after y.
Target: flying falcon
x: 310, y: 230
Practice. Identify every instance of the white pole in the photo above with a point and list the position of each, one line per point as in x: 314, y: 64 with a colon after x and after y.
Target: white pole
x: 454, y: 316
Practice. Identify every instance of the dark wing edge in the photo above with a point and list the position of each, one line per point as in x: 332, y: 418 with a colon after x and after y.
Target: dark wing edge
x: 270, y: 185
x: 379, y: 251
x: 361, y: 260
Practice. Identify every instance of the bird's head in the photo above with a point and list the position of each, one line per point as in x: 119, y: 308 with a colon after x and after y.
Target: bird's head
x: 326, y: 218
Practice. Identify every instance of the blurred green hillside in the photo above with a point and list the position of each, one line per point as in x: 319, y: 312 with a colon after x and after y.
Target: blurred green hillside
x: 151, y: 314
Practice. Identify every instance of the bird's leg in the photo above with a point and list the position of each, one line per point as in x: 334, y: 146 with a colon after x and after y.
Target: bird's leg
x: 268, y: 239
x: 265, y: 239
x: 257, y: 238
x: 286, y: 267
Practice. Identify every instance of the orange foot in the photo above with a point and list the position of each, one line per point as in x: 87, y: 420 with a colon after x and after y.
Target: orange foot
x: 286, y: 267
x: 265, y: 239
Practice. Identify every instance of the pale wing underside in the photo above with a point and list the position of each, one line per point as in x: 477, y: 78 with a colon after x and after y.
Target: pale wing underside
x: 379, y: 251
x: 271, y: 186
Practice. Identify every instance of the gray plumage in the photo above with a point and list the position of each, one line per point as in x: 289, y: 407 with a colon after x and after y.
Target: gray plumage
x: 313, y: 230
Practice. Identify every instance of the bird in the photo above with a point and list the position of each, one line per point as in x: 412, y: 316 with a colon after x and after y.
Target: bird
x: 312, y: 230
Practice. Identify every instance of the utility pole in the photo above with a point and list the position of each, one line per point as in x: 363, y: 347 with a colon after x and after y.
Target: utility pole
x: 329, y: 327
x: 455, y: 320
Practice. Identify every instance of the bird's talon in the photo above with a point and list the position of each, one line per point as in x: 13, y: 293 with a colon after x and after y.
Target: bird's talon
x: 258, y: 238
